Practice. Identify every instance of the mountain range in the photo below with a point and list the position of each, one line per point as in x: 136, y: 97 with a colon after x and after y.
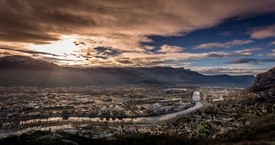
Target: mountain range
x: 21, y: 70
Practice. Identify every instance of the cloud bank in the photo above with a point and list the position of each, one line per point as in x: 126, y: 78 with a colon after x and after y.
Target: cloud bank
x: 223, y: 45
x: 44, y: 21
x: 250, y: 61
x: 118, y: 32
x: 263, y: 32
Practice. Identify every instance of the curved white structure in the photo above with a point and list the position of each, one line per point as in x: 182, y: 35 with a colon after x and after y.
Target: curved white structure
x: 156, y: 119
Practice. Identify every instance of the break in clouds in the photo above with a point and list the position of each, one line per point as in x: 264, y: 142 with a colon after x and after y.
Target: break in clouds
x: 118, y: 33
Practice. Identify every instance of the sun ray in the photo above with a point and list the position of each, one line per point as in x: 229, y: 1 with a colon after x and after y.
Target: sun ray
x: 64, y: 46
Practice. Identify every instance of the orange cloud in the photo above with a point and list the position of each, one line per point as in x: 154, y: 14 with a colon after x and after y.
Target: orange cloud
x: 121, y: 25
x: 263, y: 32
x: 170, y: 49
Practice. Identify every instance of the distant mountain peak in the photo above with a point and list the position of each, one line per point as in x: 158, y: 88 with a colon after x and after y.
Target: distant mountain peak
x: 16, y: 61
x: 21, y: 70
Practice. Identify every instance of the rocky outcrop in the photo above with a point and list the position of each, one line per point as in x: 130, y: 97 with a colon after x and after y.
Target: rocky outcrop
x: 264, y: 81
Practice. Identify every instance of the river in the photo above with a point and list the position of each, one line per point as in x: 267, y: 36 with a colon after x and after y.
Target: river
x: 151, y: 119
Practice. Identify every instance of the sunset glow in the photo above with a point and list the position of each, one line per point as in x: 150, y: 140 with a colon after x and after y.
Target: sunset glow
x: 61, y: 47
x: 212, y: 37
x: 156, y: 72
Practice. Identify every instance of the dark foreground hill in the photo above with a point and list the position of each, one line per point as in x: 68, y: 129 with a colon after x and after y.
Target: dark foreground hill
x: 19, y: 70
x: 264, y: 87
x: 264, y: 81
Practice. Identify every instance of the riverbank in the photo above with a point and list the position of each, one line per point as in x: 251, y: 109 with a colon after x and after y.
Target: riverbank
x: 67, y: 124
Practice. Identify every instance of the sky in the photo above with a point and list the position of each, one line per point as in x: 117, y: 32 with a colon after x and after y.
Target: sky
x: 212, y: 37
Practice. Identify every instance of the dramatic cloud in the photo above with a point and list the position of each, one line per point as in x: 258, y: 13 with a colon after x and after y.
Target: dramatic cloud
x: 28, y: 51
x: 228, y: 70
x: 44, y: 21
x: 223, y: 45
x: 247, y: 52
x: 250, y: 61
x: 179, y: 59
x: 272, y: 54
x: 119, y: 32
x: 170, y: 49
x: 103, y: 52
x: 263, y: 32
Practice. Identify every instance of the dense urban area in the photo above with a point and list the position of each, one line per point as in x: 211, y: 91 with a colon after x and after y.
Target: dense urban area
x: 110, y: 112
